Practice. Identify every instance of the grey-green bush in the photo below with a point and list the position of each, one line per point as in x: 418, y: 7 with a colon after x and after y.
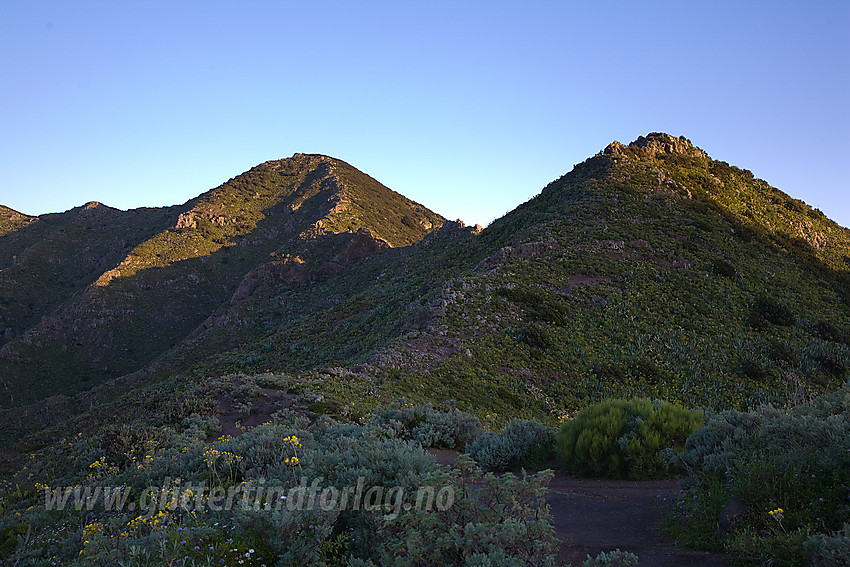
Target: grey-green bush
x: 497, y: 520
x: 432, y: 427
x: 829, y: 550
x: 521, y: 443
x: 614, y: 558
x: 797, y: 460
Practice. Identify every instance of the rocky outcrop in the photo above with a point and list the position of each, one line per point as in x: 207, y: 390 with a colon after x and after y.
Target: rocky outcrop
x: 363, y: 244
x: 654, y: 144
x: 288, y: 270
x: 294, y: 270
x: 731, y: 516
x: 186, y: 220
x: 522, y: 251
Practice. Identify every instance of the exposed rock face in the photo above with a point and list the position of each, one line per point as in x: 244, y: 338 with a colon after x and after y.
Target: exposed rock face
x: 288, y: 270
x: 363, y: 244
x: 186, y: 220
x: 520, y: 252
x: 11, y: 214
x: 451, y: 231
x: 294, y: 270
x: 656, y: 143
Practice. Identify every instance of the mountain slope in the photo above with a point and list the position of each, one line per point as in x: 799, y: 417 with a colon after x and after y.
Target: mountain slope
x: 46, y: 260
x: 12, y: 220
x: 631, y: 275
x: 155, y: 274
x: 650, y: 269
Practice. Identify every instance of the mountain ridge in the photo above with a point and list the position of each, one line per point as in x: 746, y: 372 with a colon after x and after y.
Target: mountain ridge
x: 193, y: 258
x: 528, y: 308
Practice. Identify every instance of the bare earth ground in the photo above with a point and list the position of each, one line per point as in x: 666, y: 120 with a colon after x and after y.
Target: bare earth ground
x: 602, y: 515
x: 233, y: 423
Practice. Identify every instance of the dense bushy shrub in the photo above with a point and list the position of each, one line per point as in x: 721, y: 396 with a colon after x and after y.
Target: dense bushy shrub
x: 521, y: 443
x: 541, y: 305
x: 790, y: 468
x: 452, y: 429
x: 432, y: 427
x: 774, y: 312
x: 609, y: 373
x: 647, y: 370
x: 724, y: 268
x: 614, y: 558
x: 753, y: 370
x: 829, y: 332
x: 537, y: 336
x: 833, y: 364
x: 624, y: 438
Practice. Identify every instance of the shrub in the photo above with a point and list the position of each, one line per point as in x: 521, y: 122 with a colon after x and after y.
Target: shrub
x: 795, y: 461
x: 783, y: 353
x: 521, y: 443
x: 541, y: 305
x: 537, y: 336
x: 609, y: 373
x: 723, y: 268
x: 829, y: 332
x: 443, y: 428
x: 829, y: 550
x: 773, y: 312
x: 753, y: 370
x: 833, y: 364
x: 614, y: 558
x: 451, y: 429
x: 645, y: 369
x: 624, y: 438
x: 494, y: 520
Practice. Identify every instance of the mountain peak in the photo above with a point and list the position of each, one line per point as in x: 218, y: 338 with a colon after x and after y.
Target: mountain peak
x: 653, y: 144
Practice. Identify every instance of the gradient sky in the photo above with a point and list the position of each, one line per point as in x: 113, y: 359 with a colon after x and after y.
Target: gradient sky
x: 469, y: 108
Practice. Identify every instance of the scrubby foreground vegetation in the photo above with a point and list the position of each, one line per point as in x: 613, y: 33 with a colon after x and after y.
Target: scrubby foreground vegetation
x: 291, y: 491
x: 168, y: 489
x: 770, y: 486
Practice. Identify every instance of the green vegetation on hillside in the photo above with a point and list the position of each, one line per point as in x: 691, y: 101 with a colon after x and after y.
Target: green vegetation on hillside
x: 305, y: 290
x: 620, y: 279
x: 121, y: 288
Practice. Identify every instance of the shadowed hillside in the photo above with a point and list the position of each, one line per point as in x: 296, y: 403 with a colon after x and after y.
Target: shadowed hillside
x: 650, y: 269
x: 95, y: 292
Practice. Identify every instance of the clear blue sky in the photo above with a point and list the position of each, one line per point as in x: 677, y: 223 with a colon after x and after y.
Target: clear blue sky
x: 467, y: 107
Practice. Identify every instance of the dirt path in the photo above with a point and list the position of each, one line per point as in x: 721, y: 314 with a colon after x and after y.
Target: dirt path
x: 590, y: 516
x: 233, y: 423
x: 601, y: 515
